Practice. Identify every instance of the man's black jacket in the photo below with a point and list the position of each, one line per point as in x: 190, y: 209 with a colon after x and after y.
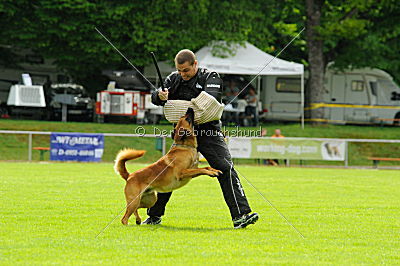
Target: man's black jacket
x: 180, y: 89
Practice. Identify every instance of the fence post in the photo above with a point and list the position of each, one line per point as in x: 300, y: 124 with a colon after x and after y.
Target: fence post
x: 163, y: 145
x: 30, y: 147
x: 346, y: 156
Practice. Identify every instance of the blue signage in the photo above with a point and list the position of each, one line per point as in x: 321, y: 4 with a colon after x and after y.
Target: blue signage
x: 76, y: 147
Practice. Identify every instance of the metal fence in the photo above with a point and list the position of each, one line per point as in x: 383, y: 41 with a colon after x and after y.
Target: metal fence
x: 164, y: 137
x: 31, y: 133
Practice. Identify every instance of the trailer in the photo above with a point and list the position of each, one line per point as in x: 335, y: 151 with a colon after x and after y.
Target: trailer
x: 358, y: 96
x: 26, y: 100
x: 114, y: 104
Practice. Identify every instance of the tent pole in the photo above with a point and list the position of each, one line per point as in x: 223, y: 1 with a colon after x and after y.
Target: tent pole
x: 258, y: 98
x: 302, y: 100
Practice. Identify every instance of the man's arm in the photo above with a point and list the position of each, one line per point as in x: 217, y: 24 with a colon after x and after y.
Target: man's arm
x: 252, y: 99
x: 155, y: 99
x: 213, y: 86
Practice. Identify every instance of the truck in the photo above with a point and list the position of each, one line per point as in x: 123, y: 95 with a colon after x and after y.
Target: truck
x: 70, y: 101
x: 357, y: 96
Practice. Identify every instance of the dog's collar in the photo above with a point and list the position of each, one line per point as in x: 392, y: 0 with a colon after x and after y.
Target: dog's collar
x: 183, y: 145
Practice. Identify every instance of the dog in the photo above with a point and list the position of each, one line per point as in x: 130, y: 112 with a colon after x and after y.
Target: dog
x: 170, y: 172
x: 333, y: 151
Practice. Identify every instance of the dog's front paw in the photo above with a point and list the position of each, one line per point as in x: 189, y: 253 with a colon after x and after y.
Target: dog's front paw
x: 214, y: 172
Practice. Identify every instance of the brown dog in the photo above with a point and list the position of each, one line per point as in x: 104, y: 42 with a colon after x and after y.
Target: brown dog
x: 170, y: 172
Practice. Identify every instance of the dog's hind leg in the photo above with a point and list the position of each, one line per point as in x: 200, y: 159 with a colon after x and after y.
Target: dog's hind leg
x: 133, y: 197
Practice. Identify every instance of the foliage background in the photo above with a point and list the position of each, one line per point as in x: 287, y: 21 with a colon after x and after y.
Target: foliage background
x: 354, y: 33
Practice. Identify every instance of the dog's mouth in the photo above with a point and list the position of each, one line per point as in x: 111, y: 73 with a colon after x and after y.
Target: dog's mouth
x: 184, y: 129
x: 190, y: 116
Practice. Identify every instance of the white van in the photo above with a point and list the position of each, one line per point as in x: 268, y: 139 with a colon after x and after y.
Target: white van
x: 356, y: 96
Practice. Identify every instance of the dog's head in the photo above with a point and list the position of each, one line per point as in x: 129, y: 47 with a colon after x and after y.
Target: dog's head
x: 184, y: 132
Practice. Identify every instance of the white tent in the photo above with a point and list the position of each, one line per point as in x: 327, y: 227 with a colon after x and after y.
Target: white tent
x: 248, y: 60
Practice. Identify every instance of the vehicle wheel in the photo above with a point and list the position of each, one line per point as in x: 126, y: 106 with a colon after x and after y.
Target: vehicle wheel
x: 99, y: 119
x: 396, y: 122
x: 3, y: 111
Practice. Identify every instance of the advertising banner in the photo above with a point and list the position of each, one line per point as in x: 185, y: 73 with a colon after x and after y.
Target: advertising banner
x: 281, y: 148
x: 76, y: 147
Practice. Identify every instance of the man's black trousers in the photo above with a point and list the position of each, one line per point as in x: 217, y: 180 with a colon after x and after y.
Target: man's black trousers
x: 215, y: 150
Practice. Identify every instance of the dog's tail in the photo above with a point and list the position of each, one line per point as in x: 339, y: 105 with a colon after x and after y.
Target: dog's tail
x: 123, y: 156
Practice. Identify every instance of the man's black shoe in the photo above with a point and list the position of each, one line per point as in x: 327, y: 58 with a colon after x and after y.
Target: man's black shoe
x: 245, y: 220
x: 153, y: 220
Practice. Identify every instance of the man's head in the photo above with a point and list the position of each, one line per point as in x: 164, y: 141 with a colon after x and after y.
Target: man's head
x: 277, y: 132
x: 186, y: 64
x: 263, y: 132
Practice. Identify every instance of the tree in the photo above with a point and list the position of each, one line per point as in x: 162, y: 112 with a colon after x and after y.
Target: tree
x: 378, y: 45
x: 66, y: 32
x: 315, y: 56
x: 350, y: 34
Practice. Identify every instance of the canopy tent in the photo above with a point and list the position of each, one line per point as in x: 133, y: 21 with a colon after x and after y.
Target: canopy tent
x: 248, y: 60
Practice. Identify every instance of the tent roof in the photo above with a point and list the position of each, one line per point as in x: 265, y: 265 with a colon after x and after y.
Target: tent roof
x: 165, y: 68
x: 248, y: 60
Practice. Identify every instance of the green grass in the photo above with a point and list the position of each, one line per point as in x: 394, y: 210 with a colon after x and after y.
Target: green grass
x: 51, y: 213
x: 15, y: 147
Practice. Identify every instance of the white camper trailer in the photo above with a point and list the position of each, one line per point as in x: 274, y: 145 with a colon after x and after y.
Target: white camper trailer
x: 354, y: 96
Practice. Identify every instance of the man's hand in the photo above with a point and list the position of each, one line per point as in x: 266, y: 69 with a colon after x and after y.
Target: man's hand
x: 163, y: 95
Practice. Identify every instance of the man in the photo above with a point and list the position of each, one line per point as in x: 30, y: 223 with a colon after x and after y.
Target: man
x: 184, y: 84
x: 251, y: 108
x: 277, y: 134
x: 231, y: 97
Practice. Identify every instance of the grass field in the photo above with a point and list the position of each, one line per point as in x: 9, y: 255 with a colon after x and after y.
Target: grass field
x: 51, y: 213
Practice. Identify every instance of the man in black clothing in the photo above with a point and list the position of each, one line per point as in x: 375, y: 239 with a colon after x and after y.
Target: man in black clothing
x: 184, y: 84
